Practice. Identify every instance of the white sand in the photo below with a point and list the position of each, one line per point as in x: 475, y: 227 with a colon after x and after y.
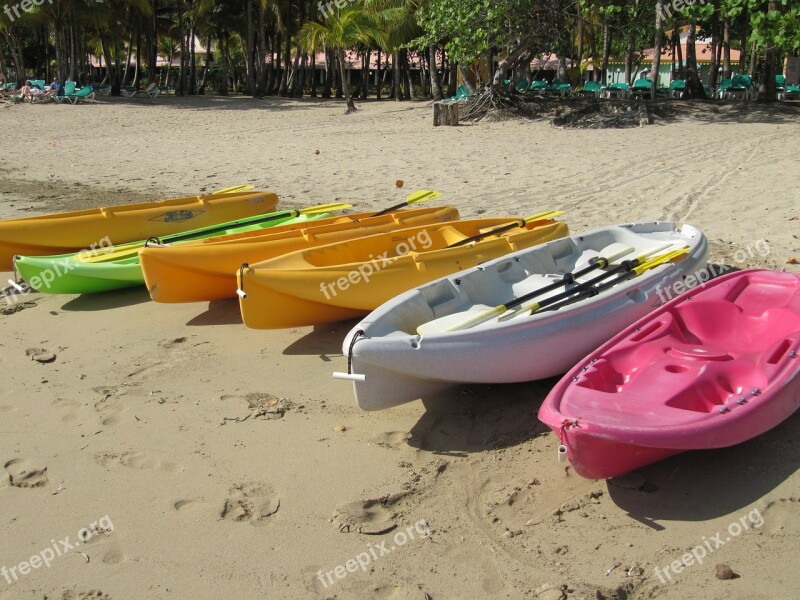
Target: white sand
x: 133, y: 419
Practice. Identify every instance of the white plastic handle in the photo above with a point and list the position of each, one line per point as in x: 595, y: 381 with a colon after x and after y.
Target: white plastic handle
x: 241, y: 293
x: 562, y: 453
x: 350, y: 376
x: 16, y: 286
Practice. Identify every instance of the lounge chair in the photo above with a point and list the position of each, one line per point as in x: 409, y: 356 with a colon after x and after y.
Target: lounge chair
x: 741, y: 85
x: 642, y: 87
x: 85, y: 93
x: 621, y: 89
x: 538, y: 86
x: 560, y: 88
x: 780, y: 86
x: 69, y: 90
x: 677, y: 88
x: 461, y: 94
x: 152, y: 90
x: 522, y: 85
x: 592, y: 88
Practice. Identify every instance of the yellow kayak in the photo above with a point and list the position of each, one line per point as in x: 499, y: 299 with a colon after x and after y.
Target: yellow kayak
x: 349, y: 279
x: 206, y: 269
x: 62, y: 233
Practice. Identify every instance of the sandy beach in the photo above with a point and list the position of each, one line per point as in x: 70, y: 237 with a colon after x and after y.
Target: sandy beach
x: 218, y: 461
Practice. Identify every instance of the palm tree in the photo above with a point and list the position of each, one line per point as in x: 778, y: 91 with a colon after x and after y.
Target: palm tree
x: 342, y: 30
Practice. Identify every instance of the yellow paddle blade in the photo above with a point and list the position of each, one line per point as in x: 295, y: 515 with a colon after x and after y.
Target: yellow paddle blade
x: 233, y: 189
x: 323, y: 208
x: 422, y: 196
x: 659, y: 260
x: 543, y: 215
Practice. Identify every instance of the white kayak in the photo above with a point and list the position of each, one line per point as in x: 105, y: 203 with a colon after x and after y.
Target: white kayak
x: 454, y: 330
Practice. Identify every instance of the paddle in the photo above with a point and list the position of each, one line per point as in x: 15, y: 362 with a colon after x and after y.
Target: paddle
x: 628, y: 270
x: 128, y: 250
x: 607, y: 256
x: 503, y: 228
x: 234, y: 189
x: 414, y: 198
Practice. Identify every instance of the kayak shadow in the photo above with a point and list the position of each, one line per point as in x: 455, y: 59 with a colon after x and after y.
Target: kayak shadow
x: 706, y: 484
x: 219, y: 312
x: 476, y: 418
x: 324, y: 340
x: 107, y: 300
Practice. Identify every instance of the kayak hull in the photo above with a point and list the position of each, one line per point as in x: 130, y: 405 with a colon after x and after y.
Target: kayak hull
x: 206, y: 270
x: 112, y: 268
x: 345, y: 280
x: 709, y: 369
x: 399, y: 365
x: 62, y: 233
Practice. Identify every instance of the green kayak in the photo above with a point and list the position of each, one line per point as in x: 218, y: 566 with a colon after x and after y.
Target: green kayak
x: 106, y: 268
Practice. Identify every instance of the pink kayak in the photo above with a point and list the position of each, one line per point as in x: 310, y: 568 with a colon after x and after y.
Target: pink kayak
x: 712, y: 368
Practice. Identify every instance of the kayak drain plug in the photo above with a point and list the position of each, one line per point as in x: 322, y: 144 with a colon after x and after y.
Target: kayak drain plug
x: 562, y: 453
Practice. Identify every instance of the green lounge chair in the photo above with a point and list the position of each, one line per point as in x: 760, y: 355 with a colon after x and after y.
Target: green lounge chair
x: 461, y: 94
x: 642, y: 87
x: 741, y: 85
x: 522, y: 85
x: 791, y: 90
x: 677, y: 88
x: 85, y: 93
x: 538, y: 86
x: 780, y: 86
x: 560, y: 88
x: 620, y: 89
x: 591, y: 88
x: 69, y: 90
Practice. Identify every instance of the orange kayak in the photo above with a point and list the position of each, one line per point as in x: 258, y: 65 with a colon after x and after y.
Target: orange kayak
x: 206, y: 270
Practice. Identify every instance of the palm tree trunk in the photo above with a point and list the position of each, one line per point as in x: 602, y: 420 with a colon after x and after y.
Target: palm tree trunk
x: 694, y: 87
x: 397, y: 92
x: 248, y: 54
x: 223, y: 80
x: 378, y: 81
x: 606, y: 50
x: 657, y: 47
x: 203, y: 82
x: 348, y: 100
x: 436, y: 85
x: 726, y: 47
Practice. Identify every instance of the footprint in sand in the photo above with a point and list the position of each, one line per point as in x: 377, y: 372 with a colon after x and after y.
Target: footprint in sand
x: 109, y: 407
x: 388, y: 591
x: 780, y: 516
x: 253, y: 502
x: 15, y: 308
x: 22, y: 474
x: 90, y: 595
x: 186, y: 504
x: 371, y: 517
x: 71, y: 405
x: 136, y: 460
x: 391, y: 439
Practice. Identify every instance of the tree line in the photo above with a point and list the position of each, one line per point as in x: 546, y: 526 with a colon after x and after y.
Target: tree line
x: 270, y: 47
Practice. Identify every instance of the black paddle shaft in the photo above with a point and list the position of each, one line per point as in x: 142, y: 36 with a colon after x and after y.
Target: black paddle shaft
x: 596, y: 263
x: 589, y: 292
